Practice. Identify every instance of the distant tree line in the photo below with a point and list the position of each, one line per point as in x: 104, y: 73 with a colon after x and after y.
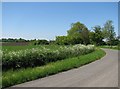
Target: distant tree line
x: 79, y: 34
x: 33, y: 41
x: 42, y: 42
x: 13, y: 40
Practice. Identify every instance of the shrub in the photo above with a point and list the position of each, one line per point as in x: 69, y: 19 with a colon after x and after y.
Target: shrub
x: 11, y: 77
x: 37, y: 57
x: 41, y: 42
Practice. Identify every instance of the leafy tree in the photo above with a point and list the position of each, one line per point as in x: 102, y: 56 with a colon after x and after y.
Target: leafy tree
x: 52, y: 42
x: 108, y: 31
x: 118, y: 37
x: 79, y: 33
x: 85, y: 36
x: 41, y: 42
x: 62, y: 40
x: 96, y: 36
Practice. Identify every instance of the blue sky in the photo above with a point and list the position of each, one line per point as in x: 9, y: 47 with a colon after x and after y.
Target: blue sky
x: 1, y: 20
x: 40, y: 20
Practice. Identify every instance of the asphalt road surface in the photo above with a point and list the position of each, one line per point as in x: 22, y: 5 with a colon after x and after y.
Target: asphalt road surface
x: 101, y: 73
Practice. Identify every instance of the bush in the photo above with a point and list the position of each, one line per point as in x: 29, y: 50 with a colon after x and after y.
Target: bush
x: 10, y: 77
x: 37, y: 57
x: 41, y: 42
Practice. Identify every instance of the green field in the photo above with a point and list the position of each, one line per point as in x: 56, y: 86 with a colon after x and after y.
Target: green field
x: 16, y: 48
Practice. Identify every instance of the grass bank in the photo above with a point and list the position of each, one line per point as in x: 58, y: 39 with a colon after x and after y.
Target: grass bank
x: 10, y: 77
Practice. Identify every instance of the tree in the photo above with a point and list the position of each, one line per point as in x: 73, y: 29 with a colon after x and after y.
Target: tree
x: 41, y: 42
x: 79, y: 33
x: 51, y: 41
x: 96, y: 36
x: 108, y: 31
x: 85, y: 36
x: 118, y: 37
x: 13, y: 40
x: 62, y: 40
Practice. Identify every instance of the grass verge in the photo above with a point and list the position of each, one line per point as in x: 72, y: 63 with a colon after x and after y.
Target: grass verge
x: 112, y: 47
x: 10, y: 77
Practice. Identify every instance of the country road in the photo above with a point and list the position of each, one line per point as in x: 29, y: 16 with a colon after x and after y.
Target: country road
x: 101, y: 73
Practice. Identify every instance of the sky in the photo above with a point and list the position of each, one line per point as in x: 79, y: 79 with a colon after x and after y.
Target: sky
x: 0, y: 20
x: 46, y: 20
x: 60, y: 0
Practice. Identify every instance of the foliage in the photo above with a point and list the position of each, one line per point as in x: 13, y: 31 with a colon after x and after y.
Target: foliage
x: 13, y: 40
x: 62, y: 40
x: 79, y: 32
x: 108, y: 31
x: 52, y: 42
x: 22, y: 75
x: 37, y: 57
x: 96, y: 37
x: 41, y: 42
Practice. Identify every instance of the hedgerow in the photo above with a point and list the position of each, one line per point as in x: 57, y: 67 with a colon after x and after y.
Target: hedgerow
x: 37, y: 57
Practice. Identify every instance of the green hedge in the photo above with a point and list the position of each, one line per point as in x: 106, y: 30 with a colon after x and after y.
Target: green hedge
x: 11, y: 77
x: 37, y: 57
